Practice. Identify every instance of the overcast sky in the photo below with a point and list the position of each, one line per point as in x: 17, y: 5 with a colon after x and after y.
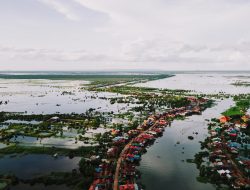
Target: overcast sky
x: 124, y: 34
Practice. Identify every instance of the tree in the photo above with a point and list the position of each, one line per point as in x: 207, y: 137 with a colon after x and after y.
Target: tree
x: 86, y: 168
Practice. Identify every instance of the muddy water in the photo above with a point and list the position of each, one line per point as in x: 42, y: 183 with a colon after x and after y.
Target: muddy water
x: 49, y: 97
x: 209, y: 83
x: 164, y: 166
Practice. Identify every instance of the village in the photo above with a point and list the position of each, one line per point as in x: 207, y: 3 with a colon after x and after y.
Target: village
x: 226, y: 162
x: 118, y: 171
x: 108, y: 144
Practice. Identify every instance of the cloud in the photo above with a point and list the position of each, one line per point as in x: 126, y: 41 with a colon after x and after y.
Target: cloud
x: 61, y: 8
x: 157, y: 51
x: 176, y: 34
x: 192, y: 20
x: 49, y: 54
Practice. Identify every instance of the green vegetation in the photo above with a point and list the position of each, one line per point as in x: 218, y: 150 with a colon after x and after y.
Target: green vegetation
x: 143, y: 102
x: 73, y: 179
x: 4, y: 116
x: 3, y: 185
x: 233, y: 111
x: 219, y: 150
x: 242, y: 105
x: 98, y: 79
x: 202, y: 179
x: 198, y: 159
x: 241, y: 83
x: 16, y: 149
x: 147, y: 99
x: 132, y: 90
x: 49, y: 127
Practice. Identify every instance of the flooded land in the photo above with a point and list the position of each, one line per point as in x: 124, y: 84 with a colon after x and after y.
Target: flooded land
x: 125, y: 131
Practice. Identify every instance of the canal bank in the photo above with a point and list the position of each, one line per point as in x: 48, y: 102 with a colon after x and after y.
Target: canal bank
x: 164, y: 165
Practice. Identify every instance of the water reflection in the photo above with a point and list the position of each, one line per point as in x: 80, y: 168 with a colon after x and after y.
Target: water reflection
x: 40, y: 187
x: 164, y: 166
x: 35, y: 165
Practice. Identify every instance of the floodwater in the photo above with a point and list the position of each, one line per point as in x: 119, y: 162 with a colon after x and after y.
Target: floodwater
x: 69, y: 142
x: 2, y: 145
x: 209, y: 83
x: 66, y: 141
x: 164, y: 165
x: 35, y: 165
x: 21, y: 122
x: 22, y: 186
x: 49, y: 96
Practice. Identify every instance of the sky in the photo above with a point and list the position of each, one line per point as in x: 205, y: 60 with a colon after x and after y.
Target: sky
x: 124, y: 35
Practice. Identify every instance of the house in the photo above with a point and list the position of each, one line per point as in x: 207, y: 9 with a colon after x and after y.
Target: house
x: 108, y: 119
x: 245, y: 118
x: 54, y: 119
x: 113, y: 151
x: 224, y: 119
x: 129, y: 187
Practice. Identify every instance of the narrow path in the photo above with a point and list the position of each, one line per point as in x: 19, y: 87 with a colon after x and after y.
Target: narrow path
x: 118, y: 165
x: 119, y: 161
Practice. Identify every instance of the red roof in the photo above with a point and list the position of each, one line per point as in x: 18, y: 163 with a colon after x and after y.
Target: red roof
x: 127, y: 187
x: 224, y: 119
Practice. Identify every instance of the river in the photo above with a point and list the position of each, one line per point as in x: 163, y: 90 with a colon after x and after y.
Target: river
x: 164, y: 165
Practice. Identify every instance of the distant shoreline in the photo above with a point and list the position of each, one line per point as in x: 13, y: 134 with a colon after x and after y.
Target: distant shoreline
x: 87, y: 77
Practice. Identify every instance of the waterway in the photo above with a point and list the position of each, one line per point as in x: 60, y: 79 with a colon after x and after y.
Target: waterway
x: 35, y: 165
x: 50, y: 96
x: 209, y: 83
x: 164, y: 165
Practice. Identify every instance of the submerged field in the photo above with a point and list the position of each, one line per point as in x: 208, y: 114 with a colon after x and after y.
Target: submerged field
x: 66, y: 120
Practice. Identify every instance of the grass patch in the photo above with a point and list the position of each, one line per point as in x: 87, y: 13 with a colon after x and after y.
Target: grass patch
x: 242, y: 105
x: 16, y: 149
x: 233, y: 111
